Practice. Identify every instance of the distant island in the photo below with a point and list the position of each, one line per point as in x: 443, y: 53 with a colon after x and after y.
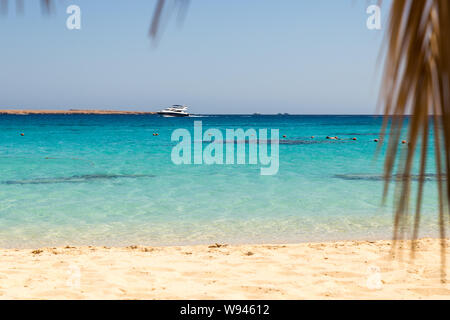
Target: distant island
x: 71, y: 111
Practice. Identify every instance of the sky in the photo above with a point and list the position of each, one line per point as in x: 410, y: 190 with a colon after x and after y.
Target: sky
x: 233, y: 56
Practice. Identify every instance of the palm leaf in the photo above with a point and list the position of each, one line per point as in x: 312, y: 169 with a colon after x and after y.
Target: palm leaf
x: 169, y: 6
x: 417, y: 83
x: 161, y: 5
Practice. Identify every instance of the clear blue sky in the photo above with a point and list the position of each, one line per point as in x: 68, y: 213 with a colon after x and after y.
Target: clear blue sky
x: 234, y: 56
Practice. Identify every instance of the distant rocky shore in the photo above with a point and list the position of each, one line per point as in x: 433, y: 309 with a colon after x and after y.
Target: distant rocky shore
x: 71, y: 111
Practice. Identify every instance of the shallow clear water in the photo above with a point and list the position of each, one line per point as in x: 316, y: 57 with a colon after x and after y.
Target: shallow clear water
x: 106, y: 180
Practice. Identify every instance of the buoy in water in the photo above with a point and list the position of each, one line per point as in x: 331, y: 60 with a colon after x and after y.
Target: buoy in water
x: 354, y: 139
x: 312, y: 137
x: 284, y: 136
x: 403, y: 141
x: 376, y: 140
x: 22, y: 134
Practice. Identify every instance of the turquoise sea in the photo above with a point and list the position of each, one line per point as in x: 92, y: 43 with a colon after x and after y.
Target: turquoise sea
x: 107, y: 180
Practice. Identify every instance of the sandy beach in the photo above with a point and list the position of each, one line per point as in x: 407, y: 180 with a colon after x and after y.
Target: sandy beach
x: 334, y: 270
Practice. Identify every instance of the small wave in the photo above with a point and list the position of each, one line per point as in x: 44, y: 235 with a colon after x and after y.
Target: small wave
x: 302, y: 142
x: 78, y: 178
x: 378, y: 177
x: 288, y: 142
x: 360, y: 134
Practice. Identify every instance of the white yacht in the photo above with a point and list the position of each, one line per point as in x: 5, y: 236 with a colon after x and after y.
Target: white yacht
x: 174, y: 111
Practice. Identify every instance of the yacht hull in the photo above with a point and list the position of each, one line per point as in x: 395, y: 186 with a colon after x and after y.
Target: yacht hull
x: 173, y: 114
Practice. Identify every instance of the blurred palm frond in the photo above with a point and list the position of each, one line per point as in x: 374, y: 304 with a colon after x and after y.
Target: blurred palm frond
x: 162, y: 7
x: 166, y: 6
x: 415, y: 89
x: 3, y: 6
x: 46, y: 6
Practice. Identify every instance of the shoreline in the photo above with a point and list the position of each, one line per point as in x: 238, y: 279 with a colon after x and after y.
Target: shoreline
x: 73, y: 111
x: 316, y: 270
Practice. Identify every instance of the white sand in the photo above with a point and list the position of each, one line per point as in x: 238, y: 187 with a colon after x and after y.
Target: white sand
x: 339, y: 270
